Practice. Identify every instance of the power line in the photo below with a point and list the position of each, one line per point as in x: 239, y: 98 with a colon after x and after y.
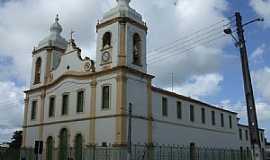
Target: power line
x: 201, y: 32
x: 185, y: 45
x: 183, y: 51
x: 189, y: 42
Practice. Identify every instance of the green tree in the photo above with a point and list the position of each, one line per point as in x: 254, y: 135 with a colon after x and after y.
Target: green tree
x: 16, y: 140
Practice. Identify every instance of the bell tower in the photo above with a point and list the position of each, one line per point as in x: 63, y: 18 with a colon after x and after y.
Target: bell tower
x: 46, y: 57
x: 121, y: 39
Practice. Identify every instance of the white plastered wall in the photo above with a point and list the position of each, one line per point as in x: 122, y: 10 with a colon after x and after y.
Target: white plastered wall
x: 171, y: 130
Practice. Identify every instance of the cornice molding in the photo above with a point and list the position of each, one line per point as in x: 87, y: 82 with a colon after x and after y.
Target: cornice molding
x: 122, y: 20
x: 168, y: 93
x: 88, y: 76
x: 47, y: 48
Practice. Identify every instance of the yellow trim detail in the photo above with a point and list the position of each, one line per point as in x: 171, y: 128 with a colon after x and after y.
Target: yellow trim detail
x: 26, y: 106
x: 92, y: 136
x: 149, y: 112
x: 122, y: 53
x: 121, y: 122
x: 41, y: 111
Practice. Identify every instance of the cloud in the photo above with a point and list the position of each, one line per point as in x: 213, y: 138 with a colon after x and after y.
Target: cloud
x: 262, y: 79
x: 262, y: 8
x: 190, y: 54
x: 200, y: 86
x: 262, y: 108
x: 23, y: 23
x: 257, y: 54
x: 11, y: 109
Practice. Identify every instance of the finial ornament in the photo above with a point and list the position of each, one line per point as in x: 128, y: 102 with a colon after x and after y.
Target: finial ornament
x: 123, y: 2
x: 57, y: 18
x: 56, y: 27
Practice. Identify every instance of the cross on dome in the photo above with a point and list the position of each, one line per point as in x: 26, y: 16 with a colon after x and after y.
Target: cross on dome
x: 56, y: 27
x: 123, y: 2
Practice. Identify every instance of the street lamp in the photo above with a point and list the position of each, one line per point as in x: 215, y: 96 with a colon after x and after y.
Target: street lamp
x: 230, y: 32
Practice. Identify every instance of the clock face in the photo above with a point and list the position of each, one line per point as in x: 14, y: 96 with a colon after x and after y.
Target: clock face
x: 106, y: 57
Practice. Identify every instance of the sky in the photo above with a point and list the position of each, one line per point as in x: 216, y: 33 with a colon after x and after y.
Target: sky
x: 185, y: 39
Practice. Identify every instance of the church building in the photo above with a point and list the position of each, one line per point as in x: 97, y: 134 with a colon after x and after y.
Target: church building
x: 79, y: 101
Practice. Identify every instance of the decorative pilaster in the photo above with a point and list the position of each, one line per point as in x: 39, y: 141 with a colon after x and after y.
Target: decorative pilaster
x: 92, y: 136
x: 149, y: 112
x: 121, y: 109
x: 122, y: 53
x: 48, y: 67
x: 26, y: 107
x: 41, y: 109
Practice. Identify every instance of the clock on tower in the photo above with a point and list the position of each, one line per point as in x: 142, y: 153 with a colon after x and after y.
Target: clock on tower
x: 121, y: 39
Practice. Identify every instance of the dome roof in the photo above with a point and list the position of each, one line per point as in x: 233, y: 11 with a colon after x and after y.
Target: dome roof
x: 56, y: 27
x: 54, y: 38
x: 123, y: 2
x: 122, y: 10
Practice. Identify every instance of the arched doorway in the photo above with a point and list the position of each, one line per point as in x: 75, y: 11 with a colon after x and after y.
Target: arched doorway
x: 78, y: 147
x: 63, y: 145
x: 49, y: 146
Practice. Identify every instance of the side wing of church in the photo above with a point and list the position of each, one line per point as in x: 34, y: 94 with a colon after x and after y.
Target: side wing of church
x: 78, y: 100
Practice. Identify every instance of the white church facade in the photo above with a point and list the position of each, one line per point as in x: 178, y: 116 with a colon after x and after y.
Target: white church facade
x: 78, y: 101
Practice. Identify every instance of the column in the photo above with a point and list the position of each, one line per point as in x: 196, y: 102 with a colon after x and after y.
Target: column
x: 121, y: 110
x: 26, y: 107
x: 122, y: 53
x: 92, y: 136
x: 41, y: 111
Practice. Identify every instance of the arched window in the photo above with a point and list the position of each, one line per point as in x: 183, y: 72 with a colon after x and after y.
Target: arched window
x: 49, y: 149
x: 63, y: 145
x: 137, y: 49
x: 106, y: 40
x: 37, y: 70
x: 78, y: 147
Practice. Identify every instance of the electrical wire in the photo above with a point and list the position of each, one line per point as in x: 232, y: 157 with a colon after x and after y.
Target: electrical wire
x: 181, y: 52
x: 183, y: 47
x: 201, y: 32
x: 175, y: 48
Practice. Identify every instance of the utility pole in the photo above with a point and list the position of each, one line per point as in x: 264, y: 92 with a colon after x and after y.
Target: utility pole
x: 250, y: 101
x: 129, y: 131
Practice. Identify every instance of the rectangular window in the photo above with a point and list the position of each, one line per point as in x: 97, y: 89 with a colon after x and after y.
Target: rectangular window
x: 203, y: 115
x: 105, y: 97
x: 192, y: 117
x: 51, y: 107
x: 80, y: 101
x: 213, y: 118
x: 34, y: 110
x: 230, y: 121
x: 240, y: 134
x: 164, y: 106
x: 65, y: 104
x: 222, y: 119
x: 247, y: 135
x: 179, y: 110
